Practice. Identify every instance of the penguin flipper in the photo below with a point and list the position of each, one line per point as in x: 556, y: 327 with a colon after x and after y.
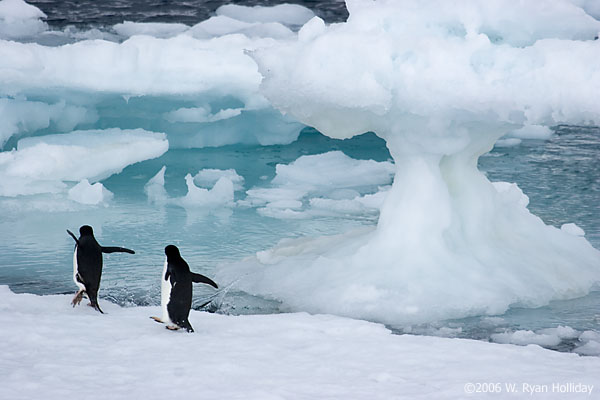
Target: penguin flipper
x: 116, y: 250
x: 73, y: 236
x: 198, y: 278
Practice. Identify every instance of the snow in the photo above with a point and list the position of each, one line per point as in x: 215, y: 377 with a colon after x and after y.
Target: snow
x: 440, y: 82
x: 46, y: 343
x: 42, y: 164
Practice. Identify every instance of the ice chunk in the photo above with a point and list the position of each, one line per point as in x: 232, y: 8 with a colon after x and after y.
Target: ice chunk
x: 333, y: 170
x: 591, y: 344
x: 531, y: 132
x: 591, y: 348
x: 328, y: 182
x: 20, y: 20
x: 41, y: 164
x: 221, y: 195
x: 208, y: 177
x: 572, y: 229
x: 563, y: 332
x: 201, y: 114
x: 85, y: 193
x: 22, y: 116
x: 524, y: 338
x: 155, y: 29
x: 287, y: 14
x: 155, y: 188
x: 224, y: 25
x: 140, y: 65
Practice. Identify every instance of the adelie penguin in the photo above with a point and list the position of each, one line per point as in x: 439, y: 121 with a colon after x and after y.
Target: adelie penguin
x: 87, y: 265
x: 176, y: 290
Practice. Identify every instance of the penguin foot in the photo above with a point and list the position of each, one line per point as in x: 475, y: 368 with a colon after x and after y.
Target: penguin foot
x: 96, y: 307
x: 77, y: 299
x: 157, y: 320
x: 173, y: 327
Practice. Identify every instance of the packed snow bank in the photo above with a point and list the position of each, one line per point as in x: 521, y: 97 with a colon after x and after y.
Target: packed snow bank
x: 42, y: 164
x: 46, y: 343
x: 440, y: 83
x: 20, y: 20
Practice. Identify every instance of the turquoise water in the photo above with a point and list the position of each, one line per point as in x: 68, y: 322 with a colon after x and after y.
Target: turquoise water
x: 559, y: 175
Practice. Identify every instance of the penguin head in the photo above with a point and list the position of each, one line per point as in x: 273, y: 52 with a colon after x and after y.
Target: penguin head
x: 172, y: 251
x: 86, y: 230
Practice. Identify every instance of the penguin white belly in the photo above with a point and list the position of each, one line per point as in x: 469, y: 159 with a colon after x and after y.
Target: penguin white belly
x: 165, y: 295
x: 75, y: 268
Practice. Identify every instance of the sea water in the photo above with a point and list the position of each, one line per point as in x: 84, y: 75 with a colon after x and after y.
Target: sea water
x: 559, y: 175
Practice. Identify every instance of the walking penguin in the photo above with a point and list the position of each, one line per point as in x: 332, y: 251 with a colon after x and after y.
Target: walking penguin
x: 176, y: 290
x: 87, y: 265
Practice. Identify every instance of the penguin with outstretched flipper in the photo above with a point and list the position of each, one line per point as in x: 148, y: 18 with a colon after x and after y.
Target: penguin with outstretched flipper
x: 176, y: 290
x: 87, y: 265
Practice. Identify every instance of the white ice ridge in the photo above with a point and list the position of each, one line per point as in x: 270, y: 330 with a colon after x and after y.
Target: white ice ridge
x: 22, y: 116
x: 20, y: 20
x: 42, y: 164
x: 440, y: 82
x: 333, y: 357
x: 328, y: 183
x: 207, y: 83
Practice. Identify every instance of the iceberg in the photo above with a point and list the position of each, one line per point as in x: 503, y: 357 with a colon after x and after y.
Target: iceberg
x: 42, y: 164
x: 440, y: 83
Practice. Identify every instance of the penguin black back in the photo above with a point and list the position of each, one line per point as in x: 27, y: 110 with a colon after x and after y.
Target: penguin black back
x: 181, y: 279
x: 87, y: 264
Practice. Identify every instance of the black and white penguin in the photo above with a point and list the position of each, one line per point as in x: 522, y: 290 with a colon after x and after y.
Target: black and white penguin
x: 176, y: 290
x: 87, y: 265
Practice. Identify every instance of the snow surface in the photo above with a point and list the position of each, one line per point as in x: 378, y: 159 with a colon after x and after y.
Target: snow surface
x: 54, y: 351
